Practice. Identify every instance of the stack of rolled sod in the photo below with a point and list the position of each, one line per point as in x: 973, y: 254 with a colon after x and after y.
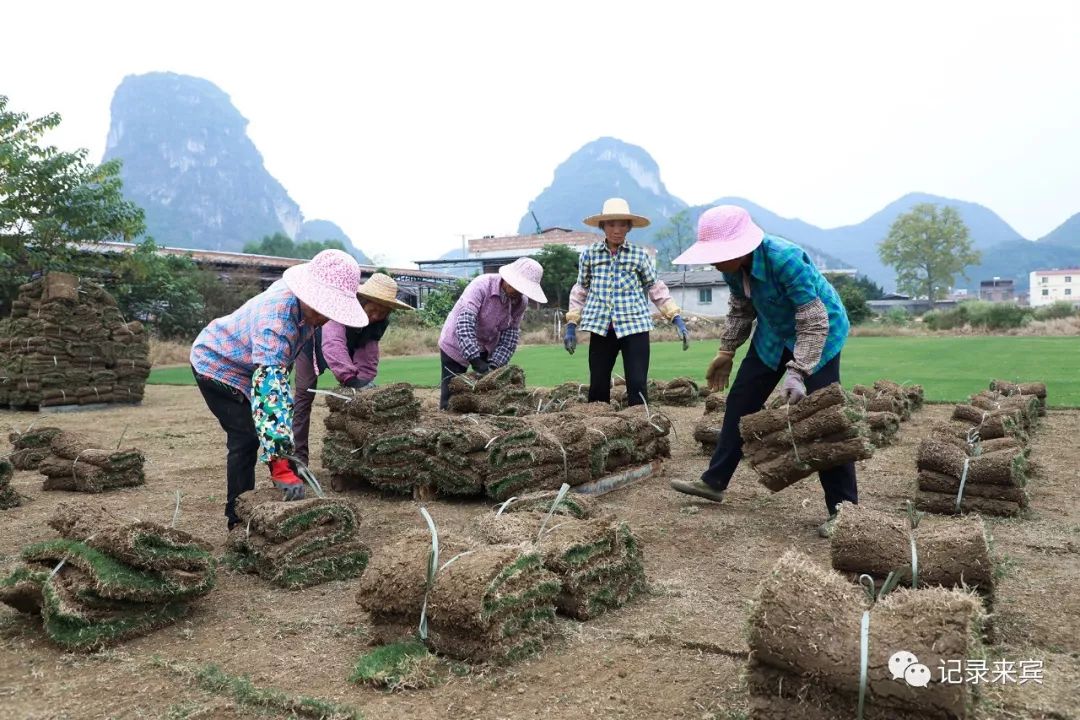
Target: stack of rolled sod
x: 1037, y: 389
x: 952, y: 482
x: 76, y: 463
x: 707, y: 428
x: 500, y: 392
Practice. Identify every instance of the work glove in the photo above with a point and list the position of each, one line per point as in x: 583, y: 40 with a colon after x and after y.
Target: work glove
x: 720, y: 370
x: 794, y: 388
x: 356, y: 383
x: 570, y: 340
x: 480, y: 365
x: 284, y: 477
x: 684, y: 334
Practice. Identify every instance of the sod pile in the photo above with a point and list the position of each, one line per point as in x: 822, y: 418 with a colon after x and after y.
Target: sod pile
x: 787, y: 443
x: 598, y: 561
x: 31, y: 447
x: 682, y: 391
x: 951, y: 481
x: 805, y: 635
x: 1028, y: 407
x: 500, y: 392
x: 75, y: 463
x: 581, y: 507
x: 562, y: 396
x: 8, y: 497
x: 296, y: 544
x: 707, y: 428
x: 1036, y: 389
x: 66, y: 343
x: 883, y: 427
x: 948, y: 552
x: 493, y: 603
x: 106, y: 580
x: 356, y: 418
x: 994, y: 423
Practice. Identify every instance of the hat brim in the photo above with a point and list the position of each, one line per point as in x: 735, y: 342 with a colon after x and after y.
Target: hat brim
x: 337, y: 305
x: 636, y: 221
x: 528, y: 288
x: 707, y: 253
x: 395, y: 303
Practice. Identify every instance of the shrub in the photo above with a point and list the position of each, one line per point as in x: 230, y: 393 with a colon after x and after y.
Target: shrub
x: 1056, y: 311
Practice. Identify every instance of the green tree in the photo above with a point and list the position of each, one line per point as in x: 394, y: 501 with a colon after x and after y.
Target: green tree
x: 439, y: 302
x: 276, y: 245
x: 928, y: 246
x: 161, y: 290
x: 560, y: 265
x: 679, y: 234
x: 310, y: 248
x: 51, y: 201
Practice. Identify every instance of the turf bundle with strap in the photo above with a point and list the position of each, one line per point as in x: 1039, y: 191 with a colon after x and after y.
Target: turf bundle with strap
x: 76, y: 463
x: 824, y: 430
x: 1036, y: 389
x: 598, y: 561
x: 8, y: 497
x: 883, y: 427
x: 951, y: 481
x: 562, y: 396
x: 808, y: 629
x: 886, y: 396
x: 107, y: 580
x: 1027, y: 405
x: 296, y: 544
x: 992, y: 424
x: 499, y: 392
x: 682, y: 391
x: 32, y: 446
x: 356, y: 418
x: 707, y: 429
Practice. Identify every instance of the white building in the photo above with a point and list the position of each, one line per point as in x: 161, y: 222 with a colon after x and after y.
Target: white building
x: 1050, y: 286
x: 698, y: 292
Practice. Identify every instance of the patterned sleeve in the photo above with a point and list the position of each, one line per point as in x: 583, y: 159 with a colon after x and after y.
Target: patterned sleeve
x: 273, y: 331
x: 465, y: 331
x: 739, y: 321
x: 272, y: 411
x: 508, y: 342
x: 811, y: 332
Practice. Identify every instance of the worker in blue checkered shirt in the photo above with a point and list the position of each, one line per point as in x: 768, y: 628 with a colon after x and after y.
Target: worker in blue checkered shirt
x: 608, y: 300
x: 801, y: 327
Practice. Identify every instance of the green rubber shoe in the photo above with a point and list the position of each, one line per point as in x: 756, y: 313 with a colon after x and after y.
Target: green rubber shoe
x: 826, y: 528
x: 698, y: 487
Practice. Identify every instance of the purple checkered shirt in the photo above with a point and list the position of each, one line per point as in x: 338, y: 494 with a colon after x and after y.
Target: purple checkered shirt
x: 483, y: 319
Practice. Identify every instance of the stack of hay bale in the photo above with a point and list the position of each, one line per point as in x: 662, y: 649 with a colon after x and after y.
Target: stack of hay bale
x: 296, y: 544
x: 32, y: 446
x: 66, y: 343
x: 805, y: 636
x: 358, y: 417
x: 785, y: 444
x: 106, y: 580
x: 707, y: 429
x: 493, y: 603
x: 1036, y: 389
x: 8, y: 497
x: 952, y: 480
x: 682, y: 391
x: 499, y: 392
x: 75, y: 463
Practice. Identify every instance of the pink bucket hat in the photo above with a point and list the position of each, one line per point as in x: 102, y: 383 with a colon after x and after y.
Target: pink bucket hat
x: 724, y: 232
x: 524, y: 275
x: 328, y: 284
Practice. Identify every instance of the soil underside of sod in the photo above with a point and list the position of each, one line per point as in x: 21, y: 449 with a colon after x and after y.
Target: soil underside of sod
x: 677, y: 651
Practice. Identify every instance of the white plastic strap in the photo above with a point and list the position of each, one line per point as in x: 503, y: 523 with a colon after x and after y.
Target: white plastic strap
x: 963, y: 479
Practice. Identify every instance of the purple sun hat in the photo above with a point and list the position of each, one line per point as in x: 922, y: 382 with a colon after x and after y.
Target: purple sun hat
x: 328, y: 285
x: 724, y: 232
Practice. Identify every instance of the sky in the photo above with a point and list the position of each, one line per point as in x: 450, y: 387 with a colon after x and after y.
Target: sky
x: 411, y: 124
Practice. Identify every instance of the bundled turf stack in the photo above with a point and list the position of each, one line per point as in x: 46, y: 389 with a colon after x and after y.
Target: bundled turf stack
x: 1027, y: 406
x: 824, y: 430
x: 562, y: 396
x: 76, y: 463
x: 963, y: 436
x: 493, y: 603
x: 1037, y: 389
x: 993, y: 482
x: 707, y: 429
x: 949, y: 552
x: 805, y: 634
x: 359, y: 416
x: 883, y: 427
x: 500, y: 392
x: 296, y: 544
x: 991, y: 424
x: 32, y: 446
x: 582, y: 507
x: 681, y: 391
x: 66, y: 343
x: 598, y: 561
x: 8, y: 497
x: 106, y: 580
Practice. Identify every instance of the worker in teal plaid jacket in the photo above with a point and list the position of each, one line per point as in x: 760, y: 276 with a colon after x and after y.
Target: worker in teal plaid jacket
x: 608, y: 300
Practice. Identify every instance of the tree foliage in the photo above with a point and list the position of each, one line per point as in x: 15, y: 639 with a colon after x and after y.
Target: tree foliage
x: 281, y: 245
x: 854, y: 291
x: 439, y: 302
x: 560, y: 265
x: 679, y: 234
x: 928, y: 246
x: 164, y: 291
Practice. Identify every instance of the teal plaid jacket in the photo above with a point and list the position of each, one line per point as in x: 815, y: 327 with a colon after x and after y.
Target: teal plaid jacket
x: 616, y: 286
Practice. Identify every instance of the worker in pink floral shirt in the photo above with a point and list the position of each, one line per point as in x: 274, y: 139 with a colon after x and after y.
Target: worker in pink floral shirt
x: 483, y: 329
x: 241, y: 365
x: 351, y: 354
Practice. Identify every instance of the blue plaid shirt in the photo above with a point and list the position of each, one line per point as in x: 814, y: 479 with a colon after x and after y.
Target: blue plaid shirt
x: 616, y: 285
x: 782, y: 278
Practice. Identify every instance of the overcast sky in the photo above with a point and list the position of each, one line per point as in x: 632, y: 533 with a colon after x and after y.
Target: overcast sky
x: 410, y: 123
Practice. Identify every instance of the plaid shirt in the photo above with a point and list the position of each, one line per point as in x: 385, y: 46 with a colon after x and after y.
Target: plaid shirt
x: 783, y: 278
x: 266, y: 330
x: 483, y: 320
x: 616, y: 286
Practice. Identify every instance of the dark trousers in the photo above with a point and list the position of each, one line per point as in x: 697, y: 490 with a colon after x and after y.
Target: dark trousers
x: 306, y: 379
x: 233, y: 411
x: 635, y: 358
x: 753, y: 383
x: 448, y: 369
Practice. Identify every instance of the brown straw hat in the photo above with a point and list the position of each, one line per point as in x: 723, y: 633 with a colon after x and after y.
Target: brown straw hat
x: 381, y: 289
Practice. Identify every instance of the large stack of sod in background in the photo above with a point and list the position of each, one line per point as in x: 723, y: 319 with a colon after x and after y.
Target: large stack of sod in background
x: 493, y: 603
x: 75, y: 463
x: 66, y: 343
x: 804, y: 637
x: 994, y: 483
x: 357, y: 417
x: 824, y: 430
x: 107, y: 580
x: 8, y: 497
x: 296, y: 544
x: 598, y: 561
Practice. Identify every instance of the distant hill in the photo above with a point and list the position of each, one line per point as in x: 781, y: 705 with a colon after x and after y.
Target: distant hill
x: 1067, y: 234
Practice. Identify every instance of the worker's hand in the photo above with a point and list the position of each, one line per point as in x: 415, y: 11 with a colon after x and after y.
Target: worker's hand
x: 719, y: 370
x: 356, y: 383
x: 283, y: 476
x: 684, y: 334
x: 570, y: 341
x: 480, y: 365
x: 794, y: 388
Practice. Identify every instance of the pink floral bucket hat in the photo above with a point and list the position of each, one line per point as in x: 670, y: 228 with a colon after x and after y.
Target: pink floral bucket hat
x: 328, y: 285
x: 724, y: 232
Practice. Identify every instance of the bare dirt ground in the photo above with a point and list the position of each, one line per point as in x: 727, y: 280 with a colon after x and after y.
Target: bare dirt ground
x: 676, y: 653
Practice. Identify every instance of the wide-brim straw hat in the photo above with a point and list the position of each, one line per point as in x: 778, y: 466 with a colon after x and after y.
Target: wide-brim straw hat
x: 524, y: 275
x: 724, y: 232
x: 616, y: 209
x: 381, y: 289
x: 327, y: 284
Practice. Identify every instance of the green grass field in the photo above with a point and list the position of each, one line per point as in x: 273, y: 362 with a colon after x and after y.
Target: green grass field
x: 949, y: 368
